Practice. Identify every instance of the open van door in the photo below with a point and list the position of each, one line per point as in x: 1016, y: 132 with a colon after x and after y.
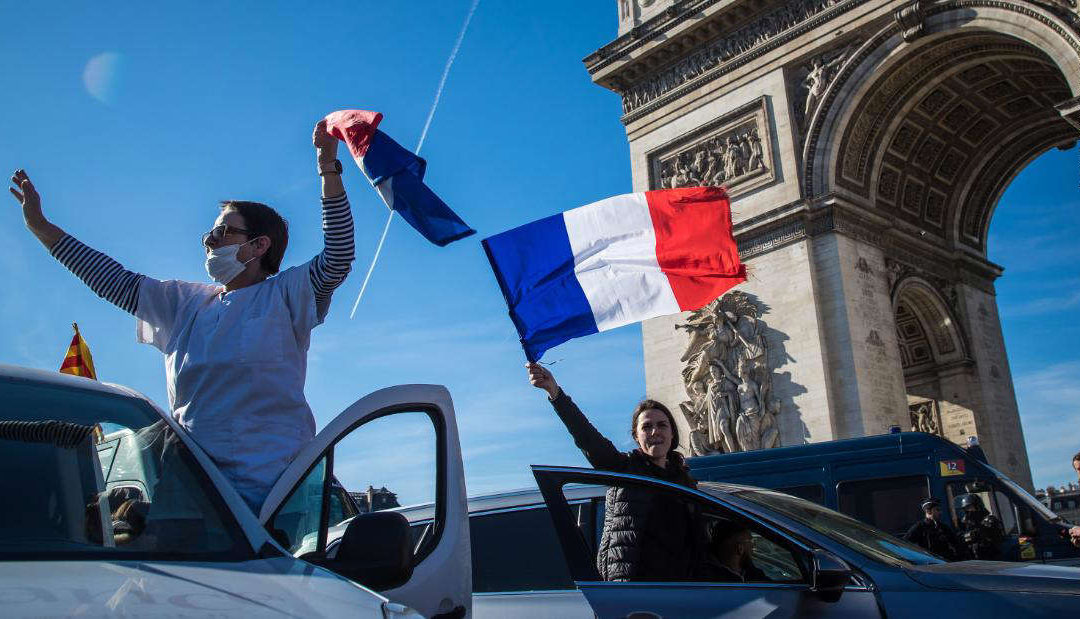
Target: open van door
x: 430, y: 572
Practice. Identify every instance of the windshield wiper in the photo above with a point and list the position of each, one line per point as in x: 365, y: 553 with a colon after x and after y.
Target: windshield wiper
x: 60, y: 433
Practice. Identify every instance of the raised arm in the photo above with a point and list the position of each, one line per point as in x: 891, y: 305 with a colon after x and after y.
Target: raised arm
x: 105, y: 276
x: 598, y: 450
x: 333, y: 263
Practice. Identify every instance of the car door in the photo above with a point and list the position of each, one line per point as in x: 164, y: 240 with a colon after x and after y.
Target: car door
x: 786, y: 577
x: 298, y: 510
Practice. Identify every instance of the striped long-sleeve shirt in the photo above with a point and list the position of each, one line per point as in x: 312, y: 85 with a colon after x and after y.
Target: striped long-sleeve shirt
x: 119, y: 286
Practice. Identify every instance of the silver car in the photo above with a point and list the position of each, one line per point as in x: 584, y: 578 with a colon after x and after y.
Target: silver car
x: 112, y: 509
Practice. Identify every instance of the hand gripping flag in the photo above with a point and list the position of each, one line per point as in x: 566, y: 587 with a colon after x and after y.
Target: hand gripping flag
x: 614, y: 262
x: 398, y: 176
x: 78, y: 361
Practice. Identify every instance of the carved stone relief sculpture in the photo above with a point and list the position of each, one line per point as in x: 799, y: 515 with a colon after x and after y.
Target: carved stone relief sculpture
x: 813, y: 77
x: 733, y: 151
x: 728, y: 380
x: 925, y: 418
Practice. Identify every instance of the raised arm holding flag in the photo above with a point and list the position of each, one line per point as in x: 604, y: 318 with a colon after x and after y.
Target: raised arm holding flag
x: 235, y: 350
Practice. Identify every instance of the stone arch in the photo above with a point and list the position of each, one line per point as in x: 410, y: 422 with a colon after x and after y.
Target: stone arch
x: 919, y: 306
x: 931, y: 131
x: 935, y: 359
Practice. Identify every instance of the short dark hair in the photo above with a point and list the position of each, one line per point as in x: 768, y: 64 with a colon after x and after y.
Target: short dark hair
x: 1076, y: 458
x: 261, y: 220
x: 646, y: 405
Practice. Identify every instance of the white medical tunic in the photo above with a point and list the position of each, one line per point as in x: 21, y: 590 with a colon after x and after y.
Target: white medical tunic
x: 235, y: 364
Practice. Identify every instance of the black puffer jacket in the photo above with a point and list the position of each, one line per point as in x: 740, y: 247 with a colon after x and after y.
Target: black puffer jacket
x: 647, y: 535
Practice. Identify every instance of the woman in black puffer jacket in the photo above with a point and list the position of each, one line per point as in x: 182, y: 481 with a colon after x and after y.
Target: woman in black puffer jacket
x: 647, y: 535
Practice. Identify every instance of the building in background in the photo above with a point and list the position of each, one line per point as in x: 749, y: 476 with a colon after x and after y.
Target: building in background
x: 375, y: 499
x: 1062, y: 500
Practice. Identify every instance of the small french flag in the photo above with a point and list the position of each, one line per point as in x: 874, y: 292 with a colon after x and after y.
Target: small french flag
x: 398, y: 175
x: 614, y: 262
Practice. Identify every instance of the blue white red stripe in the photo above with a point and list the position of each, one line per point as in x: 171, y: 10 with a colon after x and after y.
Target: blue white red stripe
x: 615, y: 262
x: 398, y: 175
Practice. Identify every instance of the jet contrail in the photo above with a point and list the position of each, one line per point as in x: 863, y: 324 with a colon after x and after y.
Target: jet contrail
x: 446, y: 72
x: 419, y: 145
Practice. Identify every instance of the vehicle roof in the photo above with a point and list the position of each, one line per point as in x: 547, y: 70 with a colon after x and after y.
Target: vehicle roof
x: 896, y: 443
x: 510, y: 499
x: 66, y: 381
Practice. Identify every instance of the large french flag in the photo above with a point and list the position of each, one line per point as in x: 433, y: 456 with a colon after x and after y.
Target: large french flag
x: 397, y: 174
x: 614, y: 262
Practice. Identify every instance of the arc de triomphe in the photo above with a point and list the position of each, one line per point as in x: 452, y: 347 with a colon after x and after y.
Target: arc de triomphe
x: 865, y: 145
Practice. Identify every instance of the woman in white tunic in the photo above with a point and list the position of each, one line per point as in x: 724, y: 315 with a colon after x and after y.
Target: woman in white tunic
x: 235, y: 351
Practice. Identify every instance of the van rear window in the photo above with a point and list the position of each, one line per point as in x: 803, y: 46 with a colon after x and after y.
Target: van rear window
x: 890, y: 504
x: 517, y: 551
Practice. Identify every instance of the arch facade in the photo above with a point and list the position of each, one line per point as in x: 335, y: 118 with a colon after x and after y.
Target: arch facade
x: 865, y: 145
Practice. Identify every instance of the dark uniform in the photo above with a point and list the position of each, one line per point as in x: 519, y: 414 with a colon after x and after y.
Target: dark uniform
x: 980, y: 531
x: 936, y: 537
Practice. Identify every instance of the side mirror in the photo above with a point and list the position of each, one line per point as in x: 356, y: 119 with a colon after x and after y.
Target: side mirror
x: 375, y: 551
x: 831, y: 575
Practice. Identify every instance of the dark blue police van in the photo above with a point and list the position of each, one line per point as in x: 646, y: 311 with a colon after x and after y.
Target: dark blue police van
x: 882, y: 480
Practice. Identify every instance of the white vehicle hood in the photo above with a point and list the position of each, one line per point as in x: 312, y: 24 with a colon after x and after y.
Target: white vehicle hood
x: 279, y: 587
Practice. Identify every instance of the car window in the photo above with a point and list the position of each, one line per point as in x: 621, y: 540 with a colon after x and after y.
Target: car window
x: 385, y: 463
x: 98, y: 475
x: 683, y: 538
x: 296, y: 523
x: 516, y: 550
x: 890, y: 504
x: 874, y: 543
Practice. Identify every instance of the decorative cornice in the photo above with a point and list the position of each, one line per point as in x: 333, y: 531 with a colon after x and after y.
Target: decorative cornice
x: 1070, y: 111
x: 643, y: 33
x: 752, y: 40
x: 795, y: 224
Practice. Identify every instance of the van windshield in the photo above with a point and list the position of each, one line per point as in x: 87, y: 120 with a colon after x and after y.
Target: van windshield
x: 93, y: 475
x: 1024, y: 496
x: 863, y: 538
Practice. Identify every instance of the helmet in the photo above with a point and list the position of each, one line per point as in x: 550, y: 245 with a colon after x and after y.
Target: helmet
x: 969, y: 502
x: 929, y: 503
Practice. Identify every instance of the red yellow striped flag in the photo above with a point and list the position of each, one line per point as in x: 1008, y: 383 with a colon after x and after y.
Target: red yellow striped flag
x: 78, y: 360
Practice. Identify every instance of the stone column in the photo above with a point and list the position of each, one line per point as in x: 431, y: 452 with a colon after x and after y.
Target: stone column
x: 997, y: 418
x: 865, y: 377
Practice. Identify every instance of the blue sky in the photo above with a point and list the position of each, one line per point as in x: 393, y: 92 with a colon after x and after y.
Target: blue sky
x: 198, y: 104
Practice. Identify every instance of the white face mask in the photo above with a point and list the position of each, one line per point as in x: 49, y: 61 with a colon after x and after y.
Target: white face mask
x: 222, y: 265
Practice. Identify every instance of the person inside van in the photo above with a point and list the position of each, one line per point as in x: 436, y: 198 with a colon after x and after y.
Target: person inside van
x: 647, y: 535
x: 729, y: 556
x: 980, y: 530
x: 933, y: 534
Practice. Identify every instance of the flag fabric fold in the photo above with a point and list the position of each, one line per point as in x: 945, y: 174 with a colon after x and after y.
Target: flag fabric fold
x: 615, y: 262
x: 78, y: 361
x: 398, y: 175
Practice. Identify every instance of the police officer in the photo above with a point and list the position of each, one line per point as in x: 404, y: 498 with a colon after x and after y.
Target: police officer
x: 980, y: 531
x: 933, y: 534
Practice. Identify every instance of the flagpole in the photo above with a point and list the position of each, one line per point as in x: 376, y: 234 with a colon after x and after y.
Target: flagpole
x: 419, y: 145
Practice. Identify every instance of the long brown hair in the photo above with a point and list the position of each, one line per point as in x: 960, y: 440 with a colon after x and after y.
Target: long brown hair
x: 646, y: 405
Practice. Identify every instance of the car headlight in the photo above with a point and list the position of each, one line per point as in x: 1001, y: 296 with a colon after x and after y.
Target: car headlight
x: 393, y: 610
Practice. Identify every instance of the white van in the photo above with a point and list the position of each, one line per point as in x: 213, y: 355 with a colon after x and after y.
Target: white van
x: 112, y: 509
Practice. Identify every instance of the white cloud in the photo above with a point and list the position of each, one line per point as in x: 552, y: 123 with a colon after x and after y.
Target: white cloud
x: 1044, y: 305
x: 1049, y: 401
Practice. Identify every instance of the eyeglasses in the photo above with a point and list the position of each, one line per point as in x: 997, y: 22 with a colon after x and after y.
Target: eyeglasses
x: 218, y: 233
